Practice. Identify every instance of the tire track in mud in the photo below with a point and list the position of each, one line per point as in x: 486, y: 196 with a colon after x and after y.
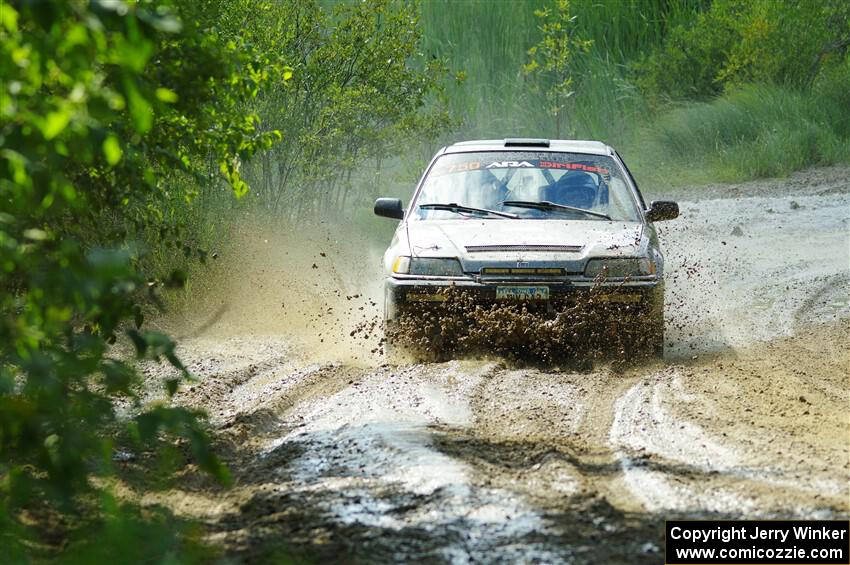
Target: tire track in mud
x: 541, y: 435
x: 370, y: 459
x: 676, y: 418
x: 741, y: 270
x: 470, y: 461
x: 549, y: 426
x: 664, y: 457
x: 827, y: 301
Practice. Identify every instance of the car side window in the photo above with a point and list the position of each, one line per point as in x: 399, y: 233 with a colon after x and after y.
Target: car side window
x: 634, y: 182
x: 620, y: 202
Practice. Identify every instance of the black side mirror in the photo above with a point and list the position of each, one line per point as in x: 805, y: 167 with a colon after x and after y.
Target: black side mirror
x: 662, y: 210
x: 389, y: 208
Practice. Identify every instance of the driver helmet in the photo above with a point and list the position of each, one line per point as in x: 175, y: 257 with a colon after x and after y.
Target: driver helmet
x: 577, y: 189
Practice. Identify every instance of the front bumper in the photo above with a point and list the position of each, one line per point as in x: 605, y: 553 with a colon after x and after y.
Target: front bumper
x: 417, y: 294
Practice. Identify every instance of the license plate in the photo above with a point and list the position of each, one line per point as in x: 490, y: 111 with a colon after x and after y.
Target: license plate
x: 522, y: 293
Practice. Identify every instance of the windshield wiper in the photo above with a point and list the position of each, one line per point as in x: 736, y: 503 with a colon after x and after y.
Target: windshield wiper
x: 454, y: 207
x: 546, y: 205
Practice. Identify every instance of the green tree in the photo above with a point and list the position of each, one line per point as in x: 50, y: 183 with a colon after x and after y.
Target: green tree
x: 104, y: 106
x: 736, y: 42
x: 552, y: 60
x: 361, y: 93
x: 787, y: 42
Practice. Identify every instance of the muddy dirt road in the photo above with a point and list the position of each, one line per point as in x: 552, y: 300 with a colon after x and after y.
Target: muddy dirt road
x: 337, y: 454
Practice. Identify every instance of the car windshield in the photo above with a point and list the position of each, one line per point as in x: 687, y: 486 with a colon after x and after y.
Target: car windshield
x: 516, y: 182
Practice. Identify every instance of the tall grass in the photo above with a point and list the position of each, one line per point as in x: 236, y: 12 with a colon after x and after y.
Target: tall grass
x: 607, y: 105
x: 753, y: 131
x: 488, y: 40
x: 623, y: 30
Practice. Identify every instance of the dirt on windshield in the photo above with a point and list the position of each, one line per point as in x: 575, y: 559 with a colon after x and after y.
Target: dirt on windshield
x: 340, y: 453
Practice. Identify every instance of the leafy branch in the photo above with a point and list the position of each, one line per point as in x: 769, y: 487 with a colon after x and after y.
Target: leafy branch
x: 552, y: 59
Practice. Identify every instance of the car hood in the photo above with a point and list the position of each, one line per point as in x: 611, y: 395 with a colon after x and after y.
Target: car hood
x: 565, y: 243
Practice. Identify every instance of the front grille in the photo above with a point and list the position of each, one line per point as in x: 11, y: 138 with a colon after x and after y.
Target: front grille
x: 524, y: 247
x: 523, y: 271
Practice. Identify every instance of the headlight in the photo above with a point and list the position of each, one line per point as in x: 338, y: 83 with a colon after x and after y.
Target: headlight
x: 401, y: 265
x: 619, y: 268
x: 428, y: 266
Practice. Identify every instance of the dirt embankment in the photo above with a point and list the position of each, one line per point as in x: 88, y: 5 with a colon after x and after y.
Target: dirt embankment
x: 340, y: 455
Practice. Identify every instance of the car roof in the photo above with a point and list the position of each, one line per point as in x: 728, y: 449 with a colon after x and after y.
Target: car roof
x: 558, y: 145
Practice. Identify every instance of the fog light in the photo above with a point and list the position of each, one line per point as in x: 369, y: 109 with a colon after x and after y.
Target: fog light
x: 436, y: 267
x: 619, y: 268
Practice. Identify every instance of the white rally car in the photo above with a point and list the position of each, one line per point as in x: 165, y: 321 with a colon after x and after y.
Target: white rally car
x: 530, y: 221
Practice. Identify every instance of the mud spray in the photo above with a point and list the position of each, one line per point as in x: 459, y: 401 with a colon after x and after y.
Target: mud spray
x: 321, y: 290
x: 314, y: 283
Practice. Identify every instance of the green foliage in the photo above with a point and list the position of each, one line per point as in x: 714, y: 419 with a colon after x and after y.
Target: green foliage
x: 753, y: 131
x: 127, y: 535
x: 787, y: 42
x: 104, y: 108
x: 775, y: 76
x: 553, y: 58
x: 741, y: 41
x: 688, y: 63
x: 487, y: 43
x: 623, y: 31
x: 360, y: 92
